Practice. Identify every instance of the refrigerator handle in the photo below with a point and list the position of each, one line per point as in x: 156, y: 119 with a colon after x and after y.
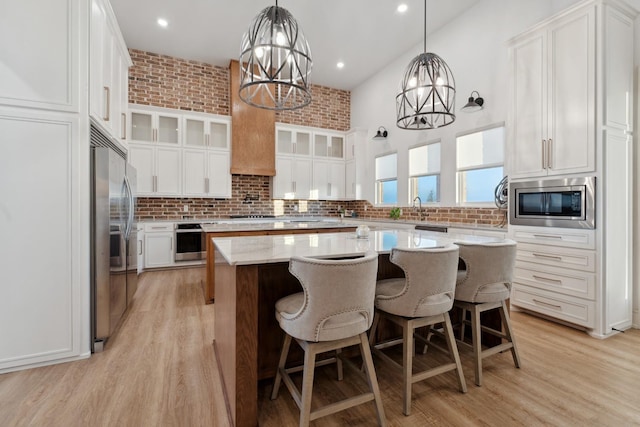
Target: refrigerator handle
x: 131, y: 207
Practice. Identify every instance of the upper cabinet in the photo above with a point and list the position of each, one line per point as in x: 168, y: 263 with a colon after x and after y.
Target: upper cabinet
x: 180, y: 155
x: 293, y: 163
x: 253, y: 133
x: 108, y: 71
x: 553, y: 71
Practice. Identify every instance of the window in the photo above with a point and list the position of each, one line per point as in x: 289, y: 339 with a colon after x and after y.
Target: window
x: 424, y: 173
x: 387, y: 179
x: 480, y: 161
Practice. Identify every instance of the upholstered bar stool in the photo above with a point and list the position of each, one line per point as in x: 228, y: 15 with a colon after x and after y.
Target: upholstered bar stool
x: 334, y: 311
x: 422, y: 298
x: 484, y: 285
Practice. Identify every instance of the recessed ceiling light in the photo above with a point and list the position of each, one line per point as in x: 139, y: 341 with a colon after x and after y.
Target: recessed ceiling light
x: 340, y: 65
x: 402, y: 8
x: 162, y: 22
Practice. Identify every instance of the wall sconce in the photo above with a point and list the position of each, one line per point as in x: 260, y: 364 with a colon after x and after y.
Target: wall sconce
x: 474, y: 104
x: 381, y: 134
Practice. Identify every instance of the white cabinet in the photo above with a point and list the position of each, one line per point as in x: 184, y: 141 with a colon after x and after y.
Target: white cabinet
x: 328, y: 179
x: 554, y: 93
x: 293, y: 163
x: 555, y: 273
x: 158, y: 169
x: 180, y: 154
x: 154, y: 125
x: 44, y: 171
x: 580, y: 276
x: 328, y: 166
x: 206, y: 157
x: 109, y: 71
x: 355, y: 170
x: 158, y: 244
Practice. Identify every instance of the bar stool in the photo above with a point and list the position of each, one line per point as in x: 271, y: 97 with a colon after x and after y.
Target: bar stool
x: 484, y: 285
x: 422, y: 298
x: 334, y: 311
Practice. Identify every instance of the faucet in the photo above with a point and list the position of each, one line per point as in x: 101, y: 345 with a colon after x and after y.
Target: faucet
x: 420, y: 212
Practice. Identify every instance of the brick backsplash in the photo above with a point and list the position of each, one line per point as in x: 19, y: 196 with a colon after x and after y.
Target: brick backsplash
x: 250, y: 196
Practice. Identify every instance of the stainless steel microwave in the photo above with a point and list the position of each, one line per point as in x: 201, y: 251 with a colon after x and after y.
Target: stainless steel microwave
x: 566, y: 203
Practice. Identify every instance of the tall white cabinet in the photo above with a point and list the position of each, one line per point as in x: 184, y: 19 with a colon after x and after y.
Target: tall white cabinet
x: 571, y: 115
x: 44, y: 171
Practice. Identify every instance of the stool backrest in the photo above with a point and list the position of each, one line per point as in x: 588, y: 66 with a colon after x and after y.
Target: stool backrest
x: 430, y: 278
x: 337, y: 293
x: 489, y: 271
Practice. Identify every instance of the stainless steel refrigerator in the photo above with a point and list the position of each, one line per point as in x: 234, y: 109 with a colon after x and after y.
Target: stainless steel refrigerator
x: 114, y: 274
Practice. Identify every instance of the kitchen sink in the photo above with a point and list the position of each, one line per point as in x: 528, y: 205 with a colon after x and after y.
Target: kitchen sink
x: 437, y: 228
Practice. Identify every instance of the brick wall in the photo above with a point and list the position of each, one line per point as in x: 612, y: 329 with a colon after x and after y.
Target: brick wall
x: 164, y: 81
x: 250, y: 196
x: 329, y: 109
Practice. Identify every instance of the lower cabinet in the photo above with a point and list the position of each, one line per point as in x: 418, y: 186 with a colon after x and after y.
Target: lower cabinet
x: 158, y: 245
x: 555, y: 274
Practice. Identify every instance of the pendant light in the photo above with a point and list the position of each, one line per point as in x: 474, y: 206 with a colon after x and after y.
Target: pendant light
x: 427, y: 92
x: 275, y: 62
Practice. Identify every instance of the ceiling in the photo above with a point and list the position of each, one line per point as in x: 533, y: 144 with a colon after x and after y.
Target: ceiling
x: 364, y: 34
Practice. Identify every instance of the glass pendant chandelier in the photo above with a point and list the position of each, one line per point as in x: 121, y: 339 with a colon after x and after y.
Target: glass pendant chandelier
x: 427, y: 93
x: 275, y: 62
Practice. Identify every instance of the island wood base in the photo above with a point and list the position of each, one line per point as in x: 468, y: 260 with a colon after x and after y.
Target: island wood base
x: 248, y: 338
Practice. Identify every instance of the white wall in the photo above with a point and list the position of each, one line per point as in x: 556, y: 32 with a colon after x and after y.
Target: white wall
x: 474, y: 47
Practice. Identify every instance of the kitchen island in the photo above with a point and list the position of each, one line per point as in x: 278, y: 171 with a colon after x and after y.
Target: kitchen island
x: 261, y: 227
x: 251, y: 274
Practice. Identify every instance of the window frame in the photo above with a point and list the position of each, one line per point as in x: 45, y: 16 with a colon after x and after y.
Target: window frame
x: 460, y: 181
x: 412, y: 190
x: 378, y: 182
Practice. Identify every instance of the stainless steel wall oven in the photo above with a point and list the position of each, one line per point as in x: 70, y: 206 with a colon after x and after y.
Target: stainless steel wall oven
x: 565, y: 203
x: 190, y: 242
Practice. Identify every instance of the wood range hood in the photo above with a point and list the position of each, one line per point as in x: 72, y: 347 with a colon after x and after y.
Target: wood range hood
x: 253, y: 133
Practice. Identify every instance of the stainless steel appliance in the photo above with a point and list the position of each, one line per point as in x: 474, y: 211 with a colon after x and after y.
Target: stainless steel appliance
x: 114, y: 275
x: 190, y: 242
x: 565, y: 203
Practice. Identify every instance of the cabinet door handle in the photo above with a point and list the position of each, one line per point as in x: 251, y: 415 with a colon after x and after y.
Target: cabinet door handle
x: 206, y: 185
x: 293, y: 185
x: 107, y: 91
x: 328, y: 189
x: 547, y: 236
x: 155, y: 183
x: 544, y: 154
x: 206, y: 140
x: 555, y: 257
x: 171, y: 243
x: 557, y: 307
x: 547, y: 279
x: 549, y: 153
x: 139, y: 247
x: 124, y: 126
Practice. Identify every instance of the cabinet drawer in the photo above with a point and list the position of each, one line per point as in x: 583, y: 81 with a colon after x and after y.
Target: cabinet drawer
x: 584, y: 239
x: 573, y: 310
x: 555, y: 279
x: 575, y: 259
x: 158, y: 226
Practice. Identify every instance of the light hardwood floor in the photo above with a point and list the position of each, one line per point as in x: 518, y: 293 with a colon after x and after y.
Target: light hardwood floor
x: 159, y: 369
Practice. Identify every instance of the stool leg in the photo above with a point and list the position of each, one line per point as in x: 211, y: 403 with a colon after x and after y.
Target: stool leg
x: 281, y: 363
x: 506, y: 321
x: 339, y: 364
x: 407, y: 365
x: 453, y: 350
x: 365, y: 349
x: 307, y: 385
x: 462, y: 324
x: 477, y: 343
x: 374, y: 328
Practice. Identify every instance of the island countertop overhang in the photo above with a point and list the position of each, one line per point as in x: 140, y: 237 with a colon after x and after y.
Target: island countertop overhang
x: 249, y: 250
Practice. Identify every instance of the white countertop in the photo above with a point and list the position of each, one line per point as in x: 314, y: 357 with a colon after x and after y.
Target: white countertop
x: 250, y: 250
